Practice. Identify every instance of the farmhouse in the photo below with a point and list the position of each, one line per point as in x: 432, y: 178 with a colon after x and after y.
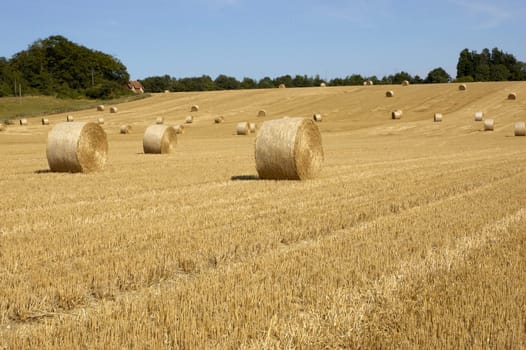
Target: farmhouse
x: 136, y: 87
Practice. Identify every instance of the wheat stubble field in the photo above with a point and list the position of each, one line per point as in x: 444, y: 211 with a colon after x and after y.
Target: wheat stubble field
x: 413, y: 237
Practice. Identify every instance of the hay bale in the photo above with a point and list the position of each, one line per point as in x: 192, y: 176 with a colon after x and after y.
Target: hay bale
x: 365, y: 83
x: 437, y: 117
x: 519, y: 129
x: 323, y: 85
x: 219, y: 119
x: 23, y: 121
x: 262, y: 113
x: 462, y: 87
x: 281, y: 86
x: 69, y: 118
x: 179, y: 129
x: 100, y: 108
x: 396, y: 114
x: 159, y: 139
x: 3, y: 127
x: 189, y: 119
x: 159, y: 120
x: 512, y: 96
x: 194, y: 108
x: 100, y: 121
x: 389, y: 93
x: 405, y: 83
x: 479, y: 116
x: 243, y: 128
x: 125, y: 129
x: 370, y: 82
x: 45, y: 121
x: 76, y: 147
x: 489, y: 124
x: 317, y: 117
x: 252, y: 127
x: 289, y: 149
x: 166, y: 91
x: 114, y: 109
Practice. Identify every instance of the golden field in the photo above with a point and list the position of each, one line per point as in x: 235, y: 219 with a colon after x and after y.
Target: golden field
x: 412, y: 237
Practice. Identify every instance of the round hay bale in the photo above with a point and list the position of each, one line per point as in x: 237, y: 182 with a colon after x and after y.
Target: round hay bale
x: 462, y: 87
x: 323, y: 85
x: 396, y: 114
x: 159, y: 120
x: 243, y: 128
x: 194, y: 108
x: 70, y: 118
x: 389, y: 93
x: 281, y: 86
x: 512, y: 96
x: 45, y: 121
x: 189, y: 119
x: 166, y: 91
x: 23, y: 121
x: 114, y: 109
x: 437, y: 117
x: 479, y: 116
x: 370, y: 82
x: 76, y: 147
x: 489, y: 124
x: 262, y: 113
x: 519, y: 129
x: 125, y: 129
x: 159, y: 139
x: 365, y: 83
x: 179, y: 129
x: 100, y: 108
x: 405, y: 83
x: 317, y: 117
x: 3, y: 127
x: 252, y: 127
x: 289, y: 149
x: 219, y: 120
x: 100, y: 121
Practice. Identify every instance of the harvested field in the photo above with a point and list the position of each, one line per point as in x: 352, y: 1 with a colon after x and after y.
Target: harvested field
x: 388, y: 247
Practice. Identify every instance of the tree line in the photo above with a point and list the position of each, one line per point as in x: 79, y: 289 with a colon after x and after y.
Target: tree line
x: 494, y: 65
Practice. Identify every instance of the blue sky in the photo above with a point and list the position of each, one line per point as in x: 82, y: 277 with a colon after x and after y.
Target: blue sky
x: 249, y: 38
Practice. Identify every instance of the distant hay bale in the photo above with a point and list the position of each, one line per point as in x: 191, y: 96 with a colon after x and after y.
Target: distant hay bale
x: 100, y: 121
x: 289, y: 149
x: 159, y: 120
x: 365, y: 83
x: 323, y: 85
x: 243, y: 128
x: 437, y: 117
x: 370, y: 82
x: 389, y: 93
x: 69, y: 118
x: 76, y: 147
x: 114, y: 109
x: 23, y: 121
x: 179, y: 129
x: 166, y: 91
x: 405, y: 83
x: 45, y: 121
x: 125, y: 129
x: 462, y: 87
x: 519, y: 129
x: 100, y: 108
x: 512, y: 96
x: 479, y: 116
x: 159, y: 139
x: 219, y: 119
x: 189, y: 119
x: 317, y: 117
x: 281, y: 86
x: 489, y: 124
x: 396, y: 114
x: 194, y: 108
x: 252, y: 127
x: 262, y: 113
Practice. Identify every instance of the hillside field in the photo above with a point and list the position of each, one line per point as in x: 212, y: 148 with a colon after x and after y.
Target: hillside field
x: 412, y: 237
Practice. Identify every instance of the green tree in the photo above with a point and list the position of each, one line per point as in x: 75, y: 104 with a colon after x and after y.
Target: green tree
x: 223, y: 82
x: 437, y: 75
x: 248, y: 83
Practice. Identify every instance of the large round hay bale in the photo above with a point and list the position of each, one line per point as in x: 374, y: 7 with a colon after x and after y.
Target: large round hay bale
x: 323, y: 85
x: 289, y: 149
x: 159, y: 139
x: 219, y: 119
x: 159, y: 120
x: 45, y: 121
x: 396, y: 114
x: 512, y: 96
x: 194, y: 108
x: 317, y: 117
x: 489, y: 124
x: 189, y: 119
x: 243, y: 128
x: 125, y: 129
x: 23, y: 121
x: 281, y: 86
x: 262, y: 113
x: 389, y: 93
x: 519, y: 129
x: 69, y: 118
x: 100, y: 108
x: 479, y: 116
x: 100, y: 121
x: 114, y: 109
x: 179, y: 129
x: 405, y: 83
x: 252, y: 127
x: 437, y: 117
x: 76, y: 147
x: 462, y: 87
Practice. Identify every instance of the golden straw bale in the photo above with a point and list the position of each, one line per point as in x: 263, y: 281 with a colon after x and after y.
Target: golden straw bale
x: 45, y: 121
x: 100, y: 108
x: 189, y: 119
x: 114, y: 109
x: 159, y: 139
x: 519, y: 129
x: 479, y: 116
x: 512, y: 96
x: 462, y: 87
x: 194, y: 108
x: 69, y: 118
x: 159, y: 120
x: 396, y: 114
x: 23, y: 121
x: 281, y: 86
x: 389, y: 93
x: 179, y: 129
x: 243, y: 128
x: 437, y: 117
x: 219, y: 119
x: 252, y: 127
x: 489, y: 124
x: 125, y: 129
x: 3, y: 127
x: 323, y: 85
x: 100, y: 121
x: 317, y: 117
x: 405, y: 83
x: 262, y: 113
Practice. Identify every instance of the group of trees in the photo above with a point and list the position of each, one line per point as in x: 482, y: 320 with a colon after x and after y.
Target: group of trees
x: 493, y: 65
x: 57, y: 66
